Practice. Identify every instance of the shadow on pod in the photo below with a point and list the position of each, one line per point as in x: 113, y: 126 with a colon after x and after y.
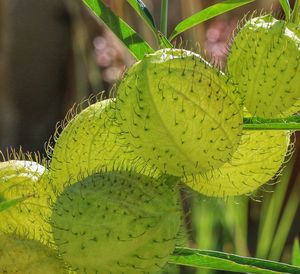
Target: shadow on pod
x: 117, y: 222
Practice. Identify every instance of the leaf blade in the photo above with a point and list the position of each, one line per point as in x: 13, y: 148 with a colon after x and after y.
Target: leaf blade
x: 296, y: 253
x: 135, y: 44
x: 142, y: 10
x: 228, y: 262
x: 206, y: 14
x: 285, y: 4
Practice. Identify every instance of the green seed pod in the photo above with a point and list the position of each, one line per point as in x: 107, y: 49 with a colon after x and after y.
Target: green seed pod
x: 90, y: 142
x: 117, y: 222
x: 19, y: 255
x: 178, y: 113
x: 264, y: 61
x: 26, y: 179
x: 256, y: 161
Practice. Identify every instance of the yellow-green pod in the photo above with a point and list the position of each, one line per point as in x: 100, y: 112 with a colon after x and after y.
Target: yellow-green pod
x: 257, y: 160
x: 23, y: 256
x: 117, y: 222
x: 179, y: 113
x: 26, y: 179
x: 90, y: 142
x: 264, y: 61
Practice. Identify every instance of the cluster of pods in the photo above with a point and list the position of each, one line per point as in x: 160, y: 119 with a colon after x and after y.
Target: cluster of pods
x: 107, y: 199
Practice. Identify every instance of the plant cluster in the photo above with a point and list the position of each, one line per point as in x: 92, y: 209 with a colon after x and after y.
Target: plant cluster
x: 108, y: 199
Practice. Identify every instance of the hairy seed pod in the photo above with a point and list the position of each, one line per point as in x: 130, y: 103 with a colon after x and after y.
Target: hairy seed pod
x: 90, y: 142
x: 19, y: 255
x: 264, y: 61
x: 178, y: 113
x: 26, y: 179
x: 117, y: 222
x: 257, y: 160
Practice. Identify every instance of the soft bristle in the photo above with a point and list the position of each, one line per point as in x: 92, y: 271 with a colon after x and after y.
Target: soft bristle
x: 11, y: 154
x: 70, y: 115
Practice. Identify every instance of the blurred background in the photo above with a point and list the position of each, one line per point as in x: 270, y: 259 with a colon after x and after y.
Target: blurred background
x: 53, y: 53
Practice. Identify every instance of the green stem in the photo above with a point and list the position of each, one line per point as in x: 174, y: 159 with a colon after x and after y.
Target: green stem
x: 256, y: 123
x: 296, y: 12
x: 164, y: 16
x: 228, y: 262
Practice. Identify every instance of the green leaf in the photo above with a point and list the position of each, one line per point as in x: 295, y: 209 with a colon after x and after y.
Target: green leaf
x: 9, y: 203
x: 285, y: 4
x: 135, y: 44
x: 206, y: 14
x: 296, y: 253
x: 163, y: 41
x: 296, y: 12
x: 257, y: 123
x: 144, y: 13
x: 228, y: 262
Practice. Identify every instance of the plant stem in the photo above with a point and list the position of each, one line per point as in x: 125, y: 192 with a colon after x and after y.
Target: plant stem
x: 164, y: 16
x: 256, y: 123
x: 296, y: 12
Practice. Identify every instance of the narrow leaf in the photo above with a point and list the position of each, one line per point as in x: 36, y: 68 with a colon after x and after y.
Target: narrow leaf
x: 135, y: 44
x: 9, y: 203
x: 163, y: 41
x: 144, y: 13
x: 285, y: 4
x: 206, y: 14
x: 296, y: 253
x: 228, y: 262
x: 256, y: 123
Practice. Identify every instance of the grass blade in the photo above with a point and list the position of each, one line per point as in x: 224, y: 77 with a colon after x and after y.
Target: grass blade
x: 206, y: 14
x: 135, y: 44
x: 228, y: 262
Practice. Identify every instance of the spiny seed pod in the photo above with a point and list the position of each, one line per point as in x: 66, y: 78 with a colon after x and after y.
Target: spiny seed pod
x: 25, y: 179
x: 179, y: 113
x: 117, y: 222
x: 264, y: 61
x: 20, y: 255
x: 256, y: 161
x: 91, y: 141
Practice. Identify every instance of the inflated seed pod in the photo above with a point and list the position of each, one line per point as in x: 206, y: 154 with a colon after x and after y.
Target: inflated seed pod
x: 20, y: 255
x: 179, y: 113
x: 117, y: 222
x: 257, y: 160
x: 26, y: 179
x: 91, y: 141
x: 264, y: 61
